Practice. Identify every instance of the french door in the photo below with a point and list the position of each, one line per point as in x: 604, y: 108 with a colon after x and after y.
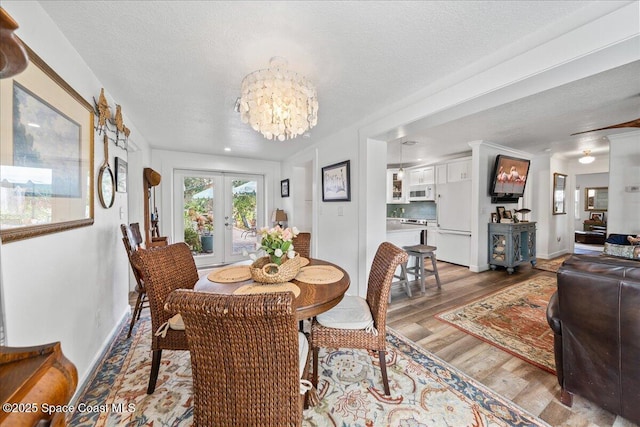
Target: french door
x: 217, y: 214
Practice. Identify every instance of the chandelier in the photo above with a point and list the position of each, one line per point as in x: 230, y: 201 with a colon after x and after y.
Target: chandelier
x: 277, y: 102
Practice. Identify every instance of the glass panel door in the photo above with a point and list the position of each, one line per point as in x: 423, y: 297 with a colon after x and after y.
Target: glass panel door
x: 243, y: 222
x: 217, y: 214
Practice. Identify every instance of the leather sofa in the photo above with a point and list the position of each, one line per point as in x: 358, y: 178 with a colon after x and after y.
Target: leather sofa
x: 595, y: 316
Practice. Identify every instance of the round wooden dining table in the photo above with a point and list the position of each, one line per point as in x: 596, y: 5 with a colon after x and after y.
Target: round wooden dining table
x: 313, y: 299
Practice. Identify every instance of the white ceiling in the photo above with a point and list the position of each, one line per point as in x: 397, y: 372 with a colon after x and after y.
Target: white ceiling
x: 176, y: 67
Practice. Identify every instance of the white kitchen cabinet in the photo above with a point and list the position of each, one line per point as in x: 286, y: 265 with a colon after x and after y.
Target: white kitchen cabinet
x: 441, y: 174
x: 422, y: 176
x: 459, y: 170
x: 397, y: 189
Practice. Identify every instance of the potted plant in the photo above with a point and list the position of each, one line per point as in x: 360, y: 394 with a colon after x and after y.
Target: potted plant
x: 206, y: 239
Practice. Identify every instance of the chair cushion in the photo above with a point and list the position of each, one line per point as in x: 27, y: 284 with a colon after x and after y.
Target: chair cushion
x: 303, y: 351
x: 351, y: 313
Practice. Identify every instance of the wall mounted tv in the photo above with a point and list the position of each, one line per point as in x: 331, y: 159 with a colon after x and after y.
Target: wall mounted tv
x: 508, y: 179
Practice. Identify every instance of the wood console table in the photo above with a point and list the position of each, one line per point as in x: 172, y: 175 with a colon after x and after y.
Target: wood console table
x: 512, y: 244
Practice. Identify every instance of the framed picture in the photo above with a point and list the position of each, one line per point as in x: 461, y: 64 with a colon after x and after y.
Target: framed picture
x: 336, y: 182
x: 284, y: 188
x: 494, y: 217
x: 507, y: 214
x: 121, y: 175
x: 47, y: 154
x: 597, y: 216
x: 500, y: 211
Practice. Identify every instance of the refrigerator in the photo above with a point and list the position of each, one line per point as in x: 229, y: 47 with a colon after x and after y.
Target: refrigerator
x: 454, y: 222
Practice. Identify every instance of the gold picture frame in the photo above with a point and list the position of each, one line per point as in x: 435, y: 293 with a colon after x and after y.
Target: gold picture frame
x: 46, y: 161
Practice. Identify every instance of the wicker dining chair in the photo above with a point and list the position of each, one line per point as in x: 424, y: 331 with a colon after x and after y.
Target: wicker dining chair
x: 132, y: 240
x: 165, y: 269
x: 388, y: 257
x: 244, y: 358
x: 302, y: 244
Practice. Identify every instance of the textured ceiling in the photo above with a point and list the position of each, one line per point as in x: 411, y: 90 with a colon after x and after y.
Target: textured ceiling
x: 176, y: 67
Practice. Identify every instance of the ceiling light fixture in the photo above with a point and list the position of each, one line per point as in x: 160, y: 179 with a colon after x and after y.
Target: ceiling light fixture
x: 277, y: 102
x: 401, y: 171
x: 587, y: 158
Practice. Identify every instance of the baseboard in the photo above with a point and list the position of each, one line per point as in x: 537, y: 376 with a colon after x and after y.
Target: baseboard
x: 478, y: 268
x: 104, y: 348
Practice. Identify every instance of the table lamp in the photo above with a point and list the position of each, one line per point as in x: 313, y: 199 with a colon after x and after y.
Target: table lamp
x: 278, y: 217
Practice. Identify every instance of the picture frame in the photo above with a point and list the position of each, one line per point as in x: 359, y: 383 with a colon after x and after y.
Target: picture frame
x: 500, y: 212
x: 284, y: 188
x: 47, y: 154
x: 336, y: 182
x: 121, y: 175
x: 507, y: 214
x: 597, y: 216
x: 494, y: 217
x: 559, y: 185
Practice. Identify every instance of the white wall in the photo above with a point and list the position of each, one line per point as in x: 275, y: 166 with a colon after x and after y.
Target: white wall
x: 70, y: 286
x: 624, y: 202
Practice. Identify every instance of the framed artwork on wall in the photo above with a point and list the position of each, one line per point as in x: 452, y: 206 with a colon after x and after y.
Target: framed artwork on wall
x: 284, y: 188
x: 47, y: 154
x: 336, y: 182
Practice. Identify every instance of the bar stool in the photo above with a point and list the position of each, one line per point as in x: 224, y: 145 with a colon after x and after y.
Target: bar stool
x: 420, y: 252
x: 403, y: 280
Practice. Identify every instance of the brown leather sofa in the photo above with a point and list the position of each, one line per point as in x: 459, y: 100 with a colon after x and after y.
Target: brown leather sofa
x: 595, y: 316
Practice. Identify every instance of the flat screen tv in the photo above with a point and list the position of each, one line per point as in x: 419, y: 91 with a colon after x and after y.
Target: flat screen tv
x: 508, y: 179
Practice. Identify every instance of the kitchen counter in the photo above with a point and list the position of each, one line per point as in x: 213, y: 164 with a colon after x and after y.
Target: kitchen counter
x: 399, y: 228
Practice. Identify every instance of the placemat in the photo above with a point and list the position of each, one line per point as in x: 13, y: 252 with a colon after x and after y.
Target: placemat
x: 303, y: 261
x: 259, y: 288
x: 236, y: 273
x: 319, y: 274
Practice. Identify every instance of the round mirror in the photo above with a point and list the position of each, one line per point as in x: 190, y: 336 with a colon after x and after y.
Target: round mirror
x: 106, y: 185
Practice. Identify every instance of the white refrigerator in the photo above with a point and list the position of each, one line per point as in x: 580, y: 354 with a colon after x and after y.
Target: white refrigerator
x: 454, y: 222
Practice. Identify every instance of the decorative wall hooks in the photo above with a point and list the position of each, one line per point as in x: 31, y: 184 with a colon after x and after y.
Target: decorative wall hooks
x: 104, y: 120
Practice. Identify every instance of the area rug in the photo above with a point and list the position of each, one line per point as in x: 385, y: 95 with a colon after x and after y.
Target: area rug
x: 425, y: 391
x: 551, y: 265
x: 513, y: 319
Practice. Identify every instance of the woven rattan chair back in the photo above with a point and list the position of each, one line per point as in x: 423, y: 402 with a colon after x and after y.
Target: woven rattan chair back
x: 302, y: 244
x: 388, y: 257
x: 165, y: 269
x: 244, y: 357
x: 132, y: 240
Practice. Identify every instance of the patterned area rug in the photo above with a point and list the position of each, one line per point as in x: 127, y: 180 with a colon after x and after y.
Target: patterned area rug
x: 551, y: 264
x: 513, y: 319
x: 425, y: 391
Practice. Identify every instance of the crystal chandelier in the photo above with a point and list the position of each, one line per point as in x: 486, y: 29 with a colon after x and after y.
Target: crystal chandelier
x: 277, y: 102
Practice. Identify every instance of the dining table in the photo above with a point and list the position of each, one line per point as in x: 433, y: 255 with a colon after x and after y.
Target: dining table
x: 312, y: 299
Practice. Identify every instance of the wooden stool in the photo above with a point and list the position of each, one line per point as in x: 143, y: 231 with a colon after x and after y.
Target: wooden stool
x: 403, y: 280
x: 418, y: 270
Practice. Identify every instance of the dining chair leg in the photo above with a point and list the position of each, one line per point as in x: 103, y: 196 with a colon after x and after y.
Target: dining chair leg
x: 136, y: 314
x: 143, y: 299
x: 383, y: 370
x: 314, y: 374
x: 155, y: 368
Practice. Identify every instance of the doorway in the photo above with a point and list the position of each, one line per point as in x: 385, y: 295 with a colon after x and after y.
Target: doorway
x: 217, y: 214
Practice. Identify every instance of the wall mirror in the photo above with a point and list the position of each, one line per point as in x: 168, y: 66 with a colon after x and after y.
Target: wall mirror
x: 559, y: 185
x: 596, y: 198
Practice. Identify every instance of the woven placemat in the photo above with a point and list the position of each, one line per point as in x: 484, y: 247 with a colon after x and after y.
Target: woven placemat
x: 303, y: 261
x: 259, y: 288
x: 237, y: 273
x: 319, y: 274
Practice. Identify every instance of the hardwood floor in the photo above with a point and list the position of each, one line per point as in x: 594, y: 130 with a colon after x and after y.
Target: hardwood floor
x: 533, y: 389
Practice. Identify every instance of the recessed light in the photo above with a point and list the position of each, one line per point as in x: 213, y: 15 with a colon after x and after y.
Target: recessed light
x: 227, y: 149
x: 33, y: 125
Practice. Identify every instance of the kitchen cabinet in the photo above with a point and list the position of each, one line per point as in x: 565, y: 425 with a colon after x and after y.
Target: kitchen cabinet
x: 459, y: 170
x: 397, y: 189
x: 511, y: 244
x: 422, y: 176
